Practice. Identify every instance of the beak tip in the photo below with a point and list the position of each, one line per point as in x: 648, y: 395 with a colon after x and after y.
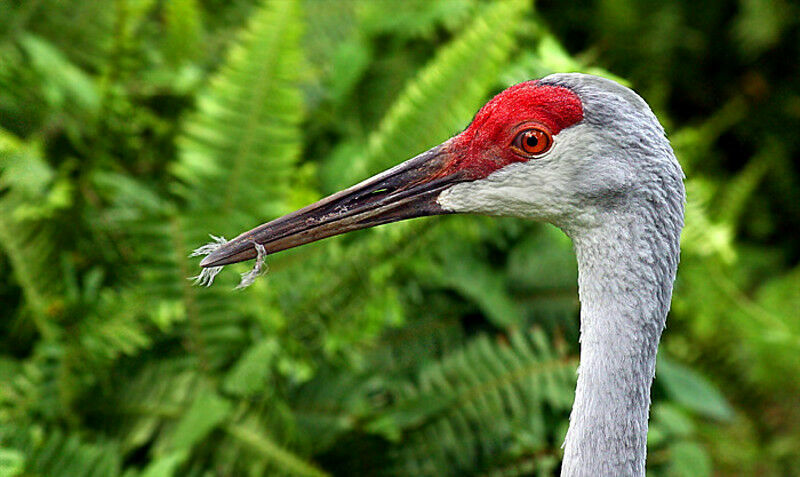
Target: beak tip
x: 226, y: 253
x: 208, y: 261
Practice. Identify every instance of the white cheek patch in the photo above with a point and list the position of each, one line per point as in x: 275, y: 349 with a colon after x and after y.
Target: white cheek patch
x: 446, y: 202
x: 499, y: 193
x: 537, y: 188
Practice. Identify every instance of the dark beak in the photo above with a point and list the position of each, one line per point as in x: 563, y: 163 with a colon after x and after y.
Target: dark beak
x: 405, y: 191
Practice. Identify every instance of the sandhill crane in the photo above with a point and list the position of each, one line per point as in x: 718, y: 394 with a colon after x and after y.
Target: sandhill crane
x: 585, y: 154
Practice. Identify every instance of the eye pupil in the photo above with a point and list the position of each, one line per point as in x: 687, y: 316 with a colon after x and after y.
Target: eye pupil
x: 533, y: 141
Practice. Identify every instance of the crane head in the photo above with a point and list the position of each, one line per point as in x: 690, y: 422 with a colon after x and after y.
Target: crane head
x: 565, y: 149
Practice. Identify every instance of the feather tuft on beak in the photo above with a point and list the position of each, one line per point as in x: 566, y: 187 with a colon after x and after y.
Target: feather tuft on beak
x: 259, y: 268
x: 207, y: 275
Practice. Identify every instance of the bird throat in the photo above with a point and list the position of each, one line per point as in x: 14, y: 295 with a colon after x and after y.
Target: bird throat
x: 625, y: 277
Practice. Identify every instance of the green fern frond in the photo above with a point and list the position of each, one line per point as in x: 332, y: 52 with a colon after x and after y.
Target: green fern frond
x: 69, y: 87
x: 428, y: 338
x: 336, y: 400
x: 702, y: 235
x: 465, y: 411
x: 83, y: 30
x: 738, y: 192
x: 206, y: 412
x: 155, y: 238
x: 543, y: 464
x: 773, y: 337
x: 361, y: 281
x: 550, y: 57
x: 236, y: 156
x: 22, y: 107
x: 329, y: 406
x: 332, y: 47
x: 414, y: 18
x: 283, y: 460
x: 54, y: 453
x: 450, y: 88
x: 542, y: 277
x: 183, y: 30
x: 37, y: 387
x: 29, y: 240
x: 145, y: 409
x: 477, y: 281
x: 240, y: 146
x: 117, y: 328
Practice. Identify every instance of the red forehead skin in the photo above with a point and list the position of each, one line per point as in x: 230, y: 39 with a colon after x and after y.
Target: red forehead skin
x: 484, y: 146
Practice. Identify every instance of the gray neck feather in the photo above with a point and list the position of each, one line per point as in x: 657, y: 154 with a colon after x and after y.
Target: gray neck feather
x: 626, y: 268
x: 627, y: 259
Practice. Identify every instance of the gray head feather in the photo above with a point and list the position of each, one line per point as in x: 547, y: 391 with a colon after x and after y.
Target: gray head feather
x: 613, y: 184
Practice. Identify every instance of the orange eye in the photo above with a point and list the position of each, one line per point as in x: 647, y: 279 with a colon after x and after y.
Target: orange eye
x: 533, y: 141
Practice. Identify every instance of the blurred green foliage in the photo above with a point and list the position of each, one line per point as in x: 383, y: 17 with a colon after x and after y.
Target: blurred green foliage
x: 447, y: 346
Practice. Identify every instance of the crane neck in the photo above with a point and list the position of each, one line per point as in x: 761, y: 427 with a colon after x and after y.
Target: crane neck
x: 626, y: 268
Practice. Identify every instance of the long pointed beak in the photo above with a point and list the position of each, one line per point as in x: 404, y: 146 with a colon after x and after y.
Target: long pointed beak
x: 405, y: 191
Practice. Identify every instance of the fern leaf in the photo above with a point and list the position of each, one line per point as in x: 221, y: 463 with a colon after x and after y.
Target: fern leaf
x: 29, y: 241
x: 83, y: 30
x: 23, y: 107
x: 285, y: 460
x: 236, y: 154
x: 427, y: 338
x: 240, y: 147
x: 550, y: 57
x: 464, y: 411
x: 206, y: 412
x: 146, y: 408
x: 415, y: 18
x: 702, y: 235
x: 737, y: 192
x: 55, y: 453
x: 442, y: 90
x: 115, y: 327
x: 183, y: 30
x: 37, y: 386
x: 70, y: 87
